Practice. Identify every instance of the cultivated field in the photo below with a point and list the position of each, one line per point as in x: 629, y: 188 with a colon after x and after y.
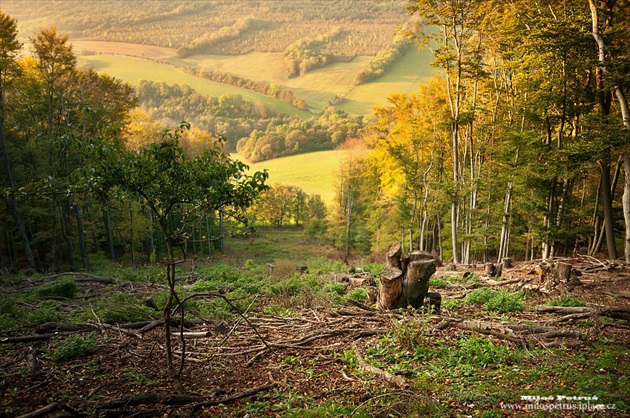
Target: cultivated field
x: 132, y: 70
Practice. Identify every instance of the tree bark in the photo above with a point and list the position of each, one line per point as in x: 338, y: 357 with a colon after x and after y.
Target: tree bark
x: 390, y: 288
x: 393, y: 254
x: 416, y: 282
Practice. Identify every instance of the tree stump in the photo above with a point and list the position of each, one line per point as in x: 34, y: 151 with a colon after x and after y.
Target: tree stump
x: 433, y: 301
x: 489, y: 269
x: 562, y: 271
x: 393, y: 255
x: 416, y: 283
x: 390, y: 288
x: 507, y: 263
x: 405, y: 280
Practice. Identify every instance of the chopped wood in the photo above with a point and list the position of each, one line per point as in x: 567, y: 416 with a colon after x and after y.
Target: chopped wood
x: 399, y: 381
x: 615, y: 312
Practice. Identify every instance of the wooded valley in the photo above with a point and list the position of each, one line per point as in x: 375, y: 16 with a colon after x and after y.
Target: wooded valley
x: 128, y: 229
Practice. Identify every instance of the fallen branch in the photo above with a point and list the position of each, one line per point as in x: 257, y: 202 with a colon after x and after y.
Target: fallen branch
x: 388, y: 377
x: 80, y: 277
x: 244, y: 394
x: 41, y: 411
x: 614, y: 312
x: 152, y: 398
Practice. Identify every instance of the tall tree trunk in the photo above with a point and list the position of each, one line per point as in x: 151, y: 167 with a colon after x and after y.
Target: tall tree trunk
x: 108, y: 230
x: 15, y: 211
x: 609, y: 224
x: 81, y: 235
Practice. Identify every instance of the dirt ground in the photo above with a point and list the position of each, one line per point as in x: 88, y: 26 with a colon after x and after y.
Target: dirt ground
x: 268, y: 358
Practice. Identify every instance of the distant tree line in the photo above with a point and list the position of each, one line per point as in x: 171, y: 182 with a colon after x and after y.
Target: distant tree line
x: 282, y: 205
x: 303, y: 55
x: 299, y: 136
x: 226, y: 33
x: 282, y: 94
x: 252, y: 129
x: 384, y: 60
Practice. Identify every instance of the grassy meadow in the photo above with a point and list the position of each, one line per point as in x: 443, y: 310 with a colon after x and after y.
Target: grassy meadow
x: 132, y: 70
x: 315, y: 172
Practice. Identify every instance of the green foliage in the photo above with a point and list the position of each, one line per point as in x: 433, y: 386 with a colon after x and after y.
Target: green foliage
x: 501, y: 301
x: 438, y: 281
x: 74, y: 346
x: 46, y: 311
x: 358, y: 294
x: 408, y: 332
x: 276, y: 309
x: 61, y: 288
x: 567, y: 301
x: 116, y: 308
x: 480, y: 352
x: 480, y: 296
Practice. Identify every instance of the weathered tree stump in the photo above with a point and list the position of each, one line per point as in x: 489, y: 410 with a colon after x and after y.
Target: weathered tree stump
x: 394, y: 252
x: 507, y: 263
x: 405, y: 280
x: 416, y: 283
x: 562, y: 271
x: 433, y: 300
x: 390, y: 288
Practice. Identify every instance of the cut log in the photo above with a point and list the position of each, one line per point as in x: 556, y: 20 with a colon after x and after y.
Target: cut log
x: 416, y: 283
x: 394, y: 251
x: 390, y: 288
x: 404, y: 262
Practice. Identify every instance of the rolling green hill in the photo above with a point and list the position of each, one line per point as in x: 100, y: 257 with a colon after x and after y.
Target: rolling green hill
x: 314, y: 172
x: 248, y: 39
x: 132, y: 70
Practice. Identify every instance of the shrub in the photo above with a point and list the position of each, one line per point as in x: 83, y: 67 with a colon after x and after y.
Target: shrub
x: 480, y: 296
x: 505, y: 302
x: 121, y: 307
x: 62, y: 288
x: 7, y: 305
x: 480, y: 352
x: 46, y: 311
x: 438, y: 282
x: 74, y: 346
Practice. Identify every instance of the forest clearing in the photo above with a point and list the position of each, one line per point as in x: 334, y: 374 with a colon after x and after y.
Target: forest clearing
x: 310, y: 343
x: 417, y: 208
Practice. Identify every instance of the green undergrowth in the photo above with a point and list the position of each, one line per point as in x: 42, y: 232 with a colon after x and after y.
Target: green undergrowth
x: 477, y: 374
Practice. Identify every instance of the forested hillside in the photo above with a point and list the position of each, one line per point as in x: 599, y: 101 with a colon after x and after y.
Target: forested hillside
x: 219, y: 27
x: 517, y: 148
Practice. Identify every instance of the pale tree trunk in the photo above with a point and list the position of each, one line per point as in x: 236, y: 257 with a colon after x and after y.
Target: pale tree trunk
x: 604, y: 109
